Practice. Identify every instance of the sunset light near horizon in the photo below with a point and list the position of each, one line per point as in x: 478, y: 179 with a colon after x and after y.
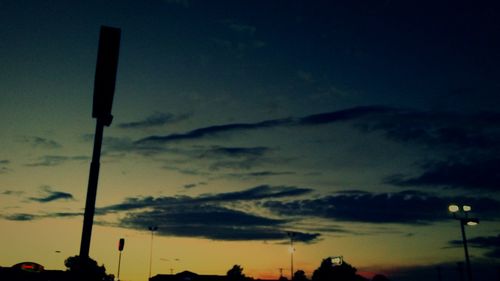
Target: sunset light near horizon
x: 351, y: 124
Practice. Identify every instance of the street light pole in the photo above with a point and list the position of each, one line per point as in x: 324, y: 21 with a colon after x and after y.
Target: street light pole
x: 291, y: 235
x: 152, y: 229
x: 461, y: 214
x: 466, y: 251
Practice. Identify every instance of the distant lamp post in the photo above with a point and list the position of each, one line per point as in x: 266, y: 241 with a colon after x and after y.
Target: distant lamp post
x: 461, y: 214
x: 292, y: 249
x: 152, y: 229
x: 121, y: 244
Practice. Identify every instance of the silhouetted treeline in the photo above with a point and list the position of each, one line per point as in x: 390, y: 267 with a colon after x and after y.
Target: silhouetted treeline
x: 327, y: 271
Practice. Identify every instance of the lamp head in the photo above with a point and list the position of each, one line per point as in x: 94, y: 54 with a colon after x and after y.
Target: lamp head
x: 466, y: 208
x: 453, y: 208
x: 472, y: 222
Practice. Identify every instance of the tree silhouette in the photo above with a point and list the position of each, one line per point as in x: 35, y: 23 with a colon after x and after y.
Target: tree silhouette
x: 236, y: 273
x: 86, y: 269
x: 300, y: 275
x: 283, y: 278
x: 329, y: 272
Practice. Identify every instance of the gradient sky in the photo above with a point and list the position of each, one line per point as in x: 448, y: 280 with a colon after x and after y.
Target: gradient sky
x: 352, y: 124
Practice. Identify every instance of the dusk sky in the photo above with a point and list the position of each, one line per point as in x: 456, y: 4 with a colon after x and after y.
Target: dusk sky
x: 351, y: 123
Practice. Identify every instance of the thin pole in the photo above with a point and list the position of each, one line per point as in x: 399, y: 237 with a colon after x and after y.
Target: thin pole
x: 460, y: 269
x: 88, y: 217
x: 464, y: 240
x: 151, y: 252
x: 119, y: 261
x: 291, y: 255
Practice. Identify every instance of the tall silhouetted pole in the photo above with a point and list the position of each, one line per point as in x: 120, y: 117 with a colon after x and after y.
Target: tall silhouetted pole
x: 152, y: 229
x: 121, y: 244
x: 291, y: 235
x: 461, y: 214
x: 460, y: 269
x: 104, y: 88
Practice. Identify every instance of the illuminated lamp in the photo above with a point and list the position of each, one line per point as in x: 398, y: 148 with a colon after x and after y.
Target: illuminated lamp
x: 453, y: 208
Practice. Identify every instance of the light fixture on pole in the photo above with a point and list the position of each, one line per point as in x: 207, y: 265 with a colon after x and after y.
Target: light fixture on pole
x: 152, y: 229
x: 461, y: 214
x: 121, y: 244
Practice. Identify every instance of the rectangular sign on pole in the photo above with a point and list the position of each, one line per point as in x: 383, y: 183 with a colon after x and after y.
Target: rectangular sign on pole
x: 105, y: 74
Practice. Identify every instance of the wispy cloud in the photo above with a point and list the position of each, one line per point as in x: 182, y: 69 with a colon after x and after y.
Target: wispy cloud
x: 490, y: 243
x: 4, y: 166
x: 242, y: 28
x: 11, y: 192
x: 435, y: 128
x: 243, y: 37
x: 41, y: 142
x: 354, y: 113
x: 215, y: 130
x: 468, y: 141
x: 38, y: 216
x: 55, y: 160
x: 52, y: 195
x: 240, y: 158
x: 207, y: 221
x: 155, y: 120
x: 404, y: 125
x: 259, y: 174
x: 405, y: 207
x: 19, y: 217
x: 316, y: 119
x: 179, y: 217
x: 478, y: 173
x: 211, y: 216
x: 256, y: 193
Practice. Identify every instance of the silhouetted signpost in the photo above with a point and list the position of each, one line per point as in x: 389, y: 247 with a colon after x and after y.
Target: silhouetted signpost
x: 104, y: 88
x: 121, y: 244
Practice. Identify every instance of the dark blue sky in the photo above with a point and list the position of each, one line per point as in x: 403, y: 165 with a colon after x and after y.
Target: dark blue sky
x: 352, y: 124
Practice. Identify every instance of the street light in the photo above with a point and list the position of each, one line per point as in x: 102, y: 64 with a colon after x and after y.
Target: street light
x: 152, y: 229
x: 461, y: 214
x: 121, y: 244
x: 292, y: 249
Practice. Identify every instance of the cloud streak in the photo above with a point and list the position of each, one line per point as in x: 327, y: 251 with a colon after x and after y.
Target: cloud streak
x: 3, y: 166
x: 475, y: 174
x: 155, y: 120
x: 405, y: 207
x: 52, y: 196
x: 238, y: 215
x: 215, y: 130
x: 42, y: 142
x: 55, y: 160
x: 403, y: 125
x: 490, y: 243
x: 211, y: 216
x: 469, y: 143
